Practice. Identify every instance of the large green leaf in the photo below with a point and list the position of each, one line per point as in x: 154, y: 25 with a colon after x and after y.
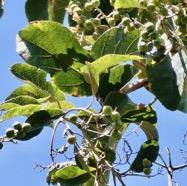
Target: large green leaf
x: 92, y: 71
x: 115, y: 79
x: 37, y: 77
x: 26, y: 110
x: 115, y: 41
x: 52, y: 37
x: 163, y: 82
x: 36, y: 10
x: 126, y: 4
x: 37, y: 120
x: 57, y: 10
x: 148, y: 150
x: 179, y: 63
x: 29, y: 90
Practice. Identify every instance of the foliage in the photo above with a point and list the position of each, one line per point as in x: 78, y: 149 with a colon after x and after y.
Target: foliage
x: 110, y: 49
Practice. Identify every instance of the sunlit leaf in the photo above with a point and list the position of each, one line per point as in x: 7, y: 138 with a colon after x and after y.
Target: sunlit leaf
x: 115, y: 41
x: 36, y: 77
x: 126, y: 4
x: 93, y: 70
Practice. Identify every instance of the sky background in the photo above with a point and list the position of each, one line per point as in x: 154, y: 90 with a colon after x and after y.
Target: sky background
x: 17, y: 162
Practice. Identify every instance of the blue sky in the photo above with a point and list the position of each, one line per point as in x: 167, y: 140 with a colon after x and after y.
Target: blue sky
x: 17, y: 162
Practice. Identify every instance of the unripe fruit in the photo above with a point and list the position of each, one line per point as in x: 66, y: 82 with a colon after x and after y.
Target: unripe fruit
x: 10, y: 133
x: 149, y: 26
x: 143, y: 3
x: 111, y: 21
x: 1, y: 145
x: 73, y: 6
x: 88, y: 6
x: 142, y: 47
x: 72, y: 118
x: 107, y: 110
x: 77, y: 10
x: 71, y: 139
x: 157, y: 42
x: 147, y: 171
x: 146, y: 162
x: 96, y: 3
x: 116, y: 16
x: 88, y: 24
x: 17, y: 125
x: 115, y: 116
x: 20, y: 134
x: 153, y: 35
x: 117, y: 125
x: 96, y: 21
x: 126, y: 21
x: 150, y: 7
x: 26, y: 127
x: 144, y: 34
x: 163, y: 11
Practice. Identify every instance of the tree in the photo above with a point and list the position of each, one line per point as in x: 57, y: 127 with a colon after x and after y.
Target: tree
x: 89, y: 59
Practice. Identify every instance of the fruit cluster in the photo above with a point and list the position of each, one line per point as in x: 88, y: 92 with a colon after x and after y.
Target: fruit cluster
x: 147, y: 164
x: 18, y: 131
x: 116, y: 121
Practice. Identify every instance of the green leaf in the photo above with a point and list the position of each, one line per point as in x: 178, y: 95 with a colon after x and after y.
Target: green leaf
x: 115, y: 79
x: 36, y: 10
x: 93, y: 70
x: 26, y: 110
x: 126, y: 4
x: 36, y: 77
x: 57, y: 10
x: 148, y: 150
x: 120, y: 102
x: 179, y: 63
x: 37, y: 120
x: 29, y: 90
x: 62, y: 105
x: 149, y: 130
x: 115, y: 41
x: 51, y: 37
x: 163, y: 82
x: 144, y: 114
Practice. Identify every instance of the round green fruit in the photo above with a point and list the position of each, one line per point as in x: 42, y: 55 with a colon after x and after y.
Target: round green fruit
x: 71, y: 139
x: 96, y: 3
x: 111, y: 21
x: 10, y: 133
x: 88, y: 6
x: 1, y: 145
x: 117, y: 125
x: 77, y: 10
x: 88, y: 24
x: 116, y: 15
x: 126, y: 21
x: 144, y: 34
x: 72, y: 118
x: 157, y: 42
x: 20, y: 134
x: 151, y: 7
x: 142, y: 47
x: 163, y: 11
x: 147, y: 171
x: 143, y: 3
x: 115, y: 116
x: 153, y: 35
x: 149, y: 26
x: 107, y: 110
x: 26, y: 127
x: 96, y: 21
x: 146, y: 162
x: 17, y: 125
